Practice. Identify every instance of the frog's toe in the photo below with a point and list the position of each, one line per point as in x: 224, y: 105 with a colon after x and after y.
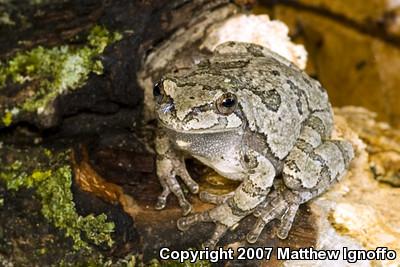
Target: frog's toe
x: 161, y: 203
x: 257, y: 213
x: 219, y: 231
x: 260, y: 208
x: 269, y: 213
x: 188, y: 180
x: 253, y: 235
x: 194, y: 188
x: 162, y: 199
x: 185, y: 223
x: 185, y: 206
x: 214, y: 199
x: 287, y: 221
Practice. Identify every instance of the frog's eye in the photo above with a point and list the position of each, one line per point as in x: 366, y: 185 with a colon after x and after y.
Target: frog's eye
x: 158, y: 91
x: 227, y: 103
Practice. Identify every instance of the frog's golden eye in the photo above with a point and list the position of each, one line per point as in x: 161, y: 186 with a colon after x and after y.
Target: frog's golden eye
x: 158, y: 91
x: 227, y: 103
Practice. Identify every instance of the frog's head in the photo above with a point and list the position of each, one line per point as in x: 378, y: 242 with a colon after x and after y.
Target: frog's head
x: 197, y: 103
x: 209, y: 97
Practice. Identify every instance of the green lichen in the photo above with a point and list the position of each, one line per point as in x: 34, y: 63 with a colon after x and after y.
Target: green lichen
x: 52, y: 71
x: 7, y: 119
x: 5, y: 19
x: 53, y: 185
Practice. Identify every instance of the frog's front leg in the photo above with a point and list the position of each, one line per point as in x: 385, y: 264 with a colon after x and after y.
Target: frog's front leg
x: 233, y: 207
x: 309, y: 170
x: 169, y: 165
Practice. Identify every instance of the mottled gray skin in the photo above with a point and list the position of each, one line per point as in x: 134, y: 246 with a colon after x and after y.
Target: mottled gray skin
x: 281, y: 126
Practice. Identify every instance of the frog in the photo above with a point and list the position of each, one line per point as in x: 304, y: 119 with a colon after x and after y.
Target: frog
x: 253, y: 117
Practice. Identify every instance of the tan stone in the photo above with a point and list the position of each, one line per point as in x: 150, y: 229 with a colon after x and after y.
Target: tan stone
x: 359, y: 212
x: 360, y: 11
x: 375, y: 16
x: 364, y: 208
x: 356, y: 68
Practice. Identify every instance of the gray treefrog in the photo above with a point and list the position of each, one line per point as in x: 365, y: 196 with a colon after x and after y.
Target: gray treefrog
x: 254, y: 117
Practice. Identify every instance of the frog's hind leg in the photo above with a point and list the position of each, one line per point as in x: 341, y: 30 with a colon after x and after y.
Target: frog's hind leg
x: 310, y: 168
x: 213, y: 198
x: 231, y: 208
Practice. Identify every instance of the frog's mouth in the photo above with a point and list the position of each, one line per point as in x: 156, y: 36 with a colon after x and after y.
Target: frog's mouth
x: 199, y: 131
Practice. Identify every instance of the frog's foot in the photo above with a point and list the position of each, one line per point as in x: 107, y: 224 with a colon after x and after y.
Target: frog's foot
x: 222, y: 215
x: 277, y: 208
x: 170, y: 184
x: 167, y: 173
x: 185, y: 223
x: 263, y: 205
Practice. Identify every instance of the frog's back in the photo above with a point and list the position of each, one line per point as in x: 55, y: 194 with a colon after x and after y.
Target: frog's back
x: 275, y: 96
